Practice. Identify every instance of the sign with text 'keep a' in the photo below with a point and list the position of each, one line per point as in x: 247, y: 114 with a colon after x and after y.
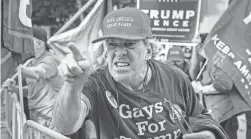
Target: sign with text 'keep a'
x: 172, y: 20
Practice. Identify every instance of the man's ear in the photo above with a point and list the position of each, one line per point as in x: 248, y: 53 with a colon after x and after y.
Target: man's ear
x: 148, y: 53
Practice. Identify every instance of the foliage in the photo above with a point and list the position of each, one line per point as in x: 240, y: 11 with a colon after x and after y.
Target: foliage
x: 53, y: 12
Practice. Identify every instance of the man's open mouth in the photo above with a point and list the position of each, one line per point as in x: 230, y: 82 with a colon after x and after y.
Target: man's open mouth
x: 122, y: 64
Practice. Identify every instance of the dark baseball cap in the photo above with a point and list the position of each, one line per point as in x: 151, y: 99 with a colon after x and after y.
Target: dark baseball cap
x: 39, y: 33
x: 175, y: 54
x: 126, y: 23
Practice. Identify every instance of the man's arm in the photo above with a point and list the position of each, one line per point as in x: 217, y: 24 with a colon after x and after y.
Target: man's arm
x: 198, y: 117
x: 46, y: 69
x: 222, y: 83
x: 25, y: 90
x: 70, y: 109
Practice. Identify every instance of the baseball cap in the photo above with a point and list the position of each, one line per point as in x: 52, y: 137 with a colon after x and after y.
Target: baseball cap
x: 126, y: 23
x: 39, y: 33
x: 175, y: 54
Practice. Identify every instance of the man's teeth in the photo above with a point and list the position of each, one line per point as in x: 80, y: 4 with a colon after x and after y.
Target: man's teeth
x: 121, y: 64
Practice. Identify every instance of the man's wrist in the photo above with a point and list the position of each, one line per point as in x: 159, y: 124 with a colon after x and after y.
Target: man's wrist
x: 208, y: 89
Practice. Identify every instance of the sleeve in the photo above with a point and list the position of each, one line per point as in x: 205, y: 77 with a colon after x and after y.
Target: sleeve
x: 198, y: 117
x: 222, y: 82
x: 90, y: 93
x: 84, y: 112
x: 48, y: 67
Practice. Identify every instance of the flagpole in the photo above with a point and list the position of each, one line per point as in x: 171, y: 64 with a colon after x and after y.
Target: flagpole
x: 202, y: 69
x: 79, y: 4
x: 197, y: 78
x: 20, y: 86
x: 198, y: 18
x: 68, y: 23
x: 1, y: 31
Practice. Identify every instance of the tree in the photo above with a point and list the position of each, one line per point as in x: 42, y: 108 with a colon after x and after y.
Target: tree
x: 54, y: 13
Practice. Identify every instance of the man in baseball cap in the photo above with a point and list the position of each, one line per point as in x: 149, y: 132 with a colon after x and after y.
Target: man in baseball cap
x: 175, y: 54
x: 43, y: 81
x: 176, y: 57
x: 134, y: 96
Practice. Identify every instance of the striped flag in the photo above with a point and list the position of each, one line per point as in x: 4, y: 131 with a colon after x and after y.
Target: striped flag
x: 228, y: 45
x: 88, y: 30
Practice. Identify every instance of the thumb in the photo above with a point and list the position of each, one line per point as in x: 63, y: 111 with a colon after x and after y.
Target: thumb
x: 75, y: 51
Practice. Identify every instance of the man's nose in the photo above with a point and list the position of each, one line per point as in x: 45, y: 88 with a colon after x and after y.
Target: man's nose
x: 121, y: 51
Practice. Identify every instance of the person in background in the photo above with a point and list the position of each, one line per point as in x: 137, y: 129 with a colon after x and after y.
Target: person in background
x: 134, y: 96
x: 176, y: 57
x: 42, y: 79
x: 162, y: 57
x: 225, y: 102
x: 187, y: 52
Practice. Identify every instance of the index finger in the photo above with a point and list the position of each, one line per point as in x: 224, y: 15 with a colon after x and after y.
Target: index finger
x: 75, y: 51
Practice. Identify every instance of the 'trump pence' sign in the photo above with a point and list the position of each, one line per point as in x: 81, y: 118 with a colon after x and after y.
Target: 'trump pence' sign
x: 172, y: 20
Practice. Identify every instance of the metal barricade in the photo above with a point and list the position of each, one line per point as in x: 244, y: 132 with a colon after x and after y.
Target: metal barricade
x: 14, y: 116
x: 33, y: 130
x: 14, y: 111
x: 8, y: 111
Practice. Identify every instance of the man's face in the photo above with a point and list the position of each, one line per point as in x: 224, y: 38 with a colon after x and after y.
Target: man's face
x: 162, y: 58
x: 39, y: 47
x: 125, y: 58
x: 178, y: 63
x: 187, y: 52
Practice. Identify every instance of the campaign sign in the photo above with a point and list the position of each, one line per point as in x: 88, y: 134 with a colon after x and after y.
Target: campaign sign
x: 172, y: 20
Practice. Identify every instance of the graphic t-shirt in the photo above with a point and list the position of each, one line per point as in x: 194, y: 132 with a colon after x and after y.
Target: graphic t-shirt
x: 120, y: 113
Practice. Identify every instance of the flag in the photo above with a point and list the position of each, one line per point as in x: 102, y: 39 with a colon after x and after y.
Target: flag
x: 211, y: 11
x: 228, y: 45
x: 88, y: 30
x: 17, y: 43
x: 17, y: 27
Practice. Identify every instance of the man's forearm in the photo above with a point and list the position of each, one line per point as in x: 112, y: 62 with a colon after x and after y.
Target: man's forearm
x: 209, y: 89
x: 32, y: 72
x: 67, y: 108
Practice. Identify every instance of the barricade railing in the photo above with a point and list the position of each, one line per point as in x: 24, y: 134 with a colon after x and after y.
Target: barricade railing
x: 14, y: 113
x: 14, y: 116
x: 33, y: 130
x: 8, y: 111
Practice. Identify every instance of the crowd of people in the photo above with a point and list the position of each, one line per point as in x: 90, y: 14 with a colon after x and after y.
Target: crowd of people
x: 134, y: 95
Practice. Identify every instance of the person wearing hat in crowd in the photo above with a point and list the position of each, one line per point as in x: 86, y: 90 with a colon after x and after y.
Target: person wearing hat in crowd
x: 134, y: 96
x: 42, y: 79
x: 176, y: 57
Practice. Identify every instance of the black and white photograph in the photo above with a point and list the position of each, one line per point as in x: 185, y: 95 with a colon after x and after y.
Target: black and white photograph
x: 125, y: 69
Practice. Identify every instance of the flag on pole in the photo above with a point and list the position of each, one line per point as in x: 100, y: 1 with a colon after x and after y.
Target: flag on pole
x: 17, y: 27
x: 17, y: 44
x: 228, y: 45
x: 88, y: 30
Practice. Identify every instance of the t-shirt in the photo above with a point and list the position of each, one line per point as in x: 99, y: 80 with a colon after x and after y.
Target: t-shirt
x: 123, y: 114
x: 42, y: 92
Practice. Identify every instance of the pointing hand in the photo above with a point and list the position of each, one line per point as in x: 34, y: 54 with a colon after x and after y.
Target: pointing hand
x: 73, y: 67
